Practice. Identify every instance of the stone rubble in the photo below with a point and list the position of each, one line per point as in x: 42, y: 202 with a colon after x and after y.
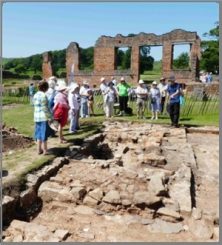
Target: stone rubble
x: 143, y: 178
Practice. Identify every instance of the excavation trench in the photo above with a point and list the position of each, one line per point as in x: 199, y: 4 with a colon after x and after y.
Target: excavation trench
x: 129, y: 174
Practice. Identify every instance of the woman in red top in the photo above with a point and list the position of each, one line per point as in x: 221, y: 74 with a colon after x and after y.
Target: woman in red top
x: 61, y: 108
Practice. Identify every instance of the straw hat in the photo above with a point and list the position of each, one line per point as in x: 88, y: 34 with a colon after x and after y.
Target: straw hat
x: 141, y: 81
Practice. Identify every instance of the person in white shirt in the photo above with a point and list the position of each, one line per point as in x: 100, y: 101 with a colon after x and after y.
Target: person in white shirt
x: 74, y: 105
x: 142, y: 96
x: 84, y: 111
x: 110, y: 96
x: 113, y: 80
x: 103, y: 88
x: 155, y: 100
x: 162, y: 86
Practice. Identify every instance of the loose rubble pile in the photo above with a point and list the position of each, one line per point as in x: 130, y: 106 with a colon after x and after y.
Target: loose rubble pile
x: 128, y: 183
x: 12, y: 140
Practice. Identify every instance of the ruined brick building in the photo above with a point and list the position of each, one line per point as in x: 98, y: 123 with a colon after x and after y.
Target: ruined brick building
x: 105, y: 51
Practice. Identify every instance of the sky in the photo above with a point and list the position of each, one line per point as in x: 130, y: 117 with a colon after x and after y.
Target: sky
x: 31, y: 28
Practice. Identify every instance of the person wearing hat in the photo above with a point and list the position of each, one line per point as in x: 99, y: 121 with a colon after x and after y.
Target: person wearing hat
x: 155, y: 100
x: 110, y: 96
x: 173, y: 100
x: 74, y: 105
x: 142, y: 96
x: 61, y: 108
x: 123, y: 89
x: 162, y: 87
x: 41, y: 117
x: 84, y: 110
x: 51, y: 92
x: 103, y: 88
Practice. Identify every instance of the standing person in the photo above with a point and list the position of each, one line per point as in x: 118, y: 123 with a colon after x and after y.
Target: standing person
x: 113, y: 80
x: 84, y: 99
x: 61, y: 108
x: 103, y: 88
x: 162, y: 87
x: 122, y: 89
x: 74, y: 107
x: 90, y: 102
x: 31, y: 93
x: 173, y: 91
x: 51, y: 92
x: 41, y: 117
x: 142, y: 96
x: 111, y: 94
x: 155, y: 100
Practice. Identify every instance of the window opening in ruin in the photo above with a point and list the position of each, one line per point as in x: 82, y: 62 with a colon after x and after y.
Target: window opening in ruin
x: 123, y: 58
x: 150, y: 66
x: 181, y: 57
x: 86, y: 59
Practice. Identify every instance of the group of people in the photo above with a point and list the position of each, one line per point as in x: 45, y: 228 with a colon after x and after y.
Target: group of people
x: 206, y: 77
x: 55, y: 103
x: 160, y: 94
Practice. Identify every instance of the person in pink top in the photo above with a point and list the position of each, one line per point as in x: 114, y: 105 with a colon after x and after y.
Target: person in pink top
x: 61, y: 109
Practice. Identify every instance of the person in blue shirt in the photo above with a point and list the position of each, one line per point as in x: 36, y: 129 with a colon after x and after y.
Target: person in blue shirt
x: 31, y: 93
x: 174, y: 91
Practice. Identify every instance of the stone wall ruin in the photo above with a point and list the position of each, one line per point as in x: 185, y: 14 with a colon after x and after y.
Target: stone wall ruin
x: 105, y: 56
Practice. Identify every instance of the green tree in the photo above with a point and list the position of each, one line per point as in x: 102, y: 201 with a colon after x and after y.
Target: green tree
x: 126, y: 60
x: 20, y: 68
x: 36, y: 63
x: 146, y: 61
x: 210, y: 51
x: 182, y: 61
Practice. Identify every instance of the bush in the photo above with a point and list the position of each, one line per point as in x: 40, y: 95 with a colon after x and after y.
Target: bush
x: 9, y: 74
x: 36, y: 77
x: 62, y: 74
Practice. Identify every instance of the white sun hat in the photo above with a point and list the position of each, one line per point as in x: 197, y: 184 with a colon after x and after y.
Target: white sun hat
x: 102, y: 79
x: 122, y: 79
x: 61, y: 85
x: 141, y: 81
x: 73, y: 87
x: 154, y: 83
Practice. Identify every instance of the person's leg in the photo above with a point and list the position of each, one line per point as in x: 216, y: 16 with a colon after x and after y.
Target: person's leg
x: 171, y: 112
x: 71, y: 127
x: 107, y: 109
x: 81, y: 108
x: 77, y: 119
x: 176, y: 113
x: 143, y: 108
x: 121, y: 98
x: 39, y: 147
x: 61, y: 138
x: 125, y: 104
x: 44, y: 143
x: 156, y: 114
x: 111, y: 109
x: 138, y: 108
